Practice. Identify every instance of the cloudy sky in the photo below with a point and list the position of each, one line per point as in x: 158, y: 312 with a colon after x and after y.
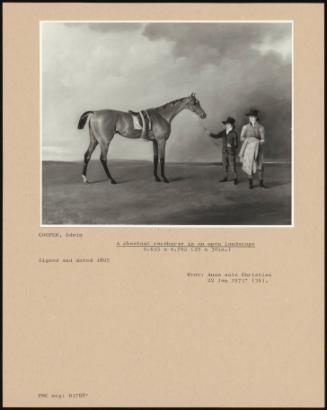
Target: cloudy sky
x: 231, y: 66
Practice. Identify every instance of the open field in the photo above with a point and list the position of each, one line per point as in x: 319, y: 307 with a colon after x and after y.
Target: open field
x: 193, y: 197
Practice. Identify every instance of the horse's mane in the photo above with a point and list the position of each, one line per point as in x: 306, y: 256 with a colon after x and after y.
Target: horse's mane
x: 171, y: 103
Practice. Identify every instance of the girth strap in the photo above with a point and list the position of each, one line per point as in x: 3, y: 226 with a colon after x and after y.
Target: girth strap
x: 144, y: 120
x: 143, y: 124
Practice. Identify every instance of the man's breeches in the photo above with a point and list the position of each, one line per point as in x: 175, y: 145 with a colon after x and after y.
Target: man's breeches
x: 229, y: 161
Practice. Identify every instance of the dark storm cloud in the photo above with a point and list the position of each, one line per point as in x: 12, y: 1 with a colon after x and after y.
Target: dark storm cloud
x: 211, y: 41
x: 254, y: 75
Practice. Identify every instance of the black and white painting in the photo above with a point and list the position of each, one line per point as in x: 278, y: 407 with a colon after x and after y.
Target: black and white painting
x: 166, y: 123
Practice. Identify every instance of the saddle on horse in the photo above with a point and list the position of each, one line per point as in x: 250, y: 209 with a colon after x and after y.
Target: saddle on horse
x: 142, y: 121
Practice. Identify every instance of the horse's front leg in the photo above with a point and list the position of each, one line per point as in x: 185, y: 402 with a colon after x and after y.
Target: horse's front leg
x: 155, y: 161
x: 162, y: 152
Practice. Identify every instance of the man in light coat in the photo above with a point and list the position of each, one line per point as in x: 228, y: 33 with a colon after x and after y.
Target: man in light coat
x: 251, y: 153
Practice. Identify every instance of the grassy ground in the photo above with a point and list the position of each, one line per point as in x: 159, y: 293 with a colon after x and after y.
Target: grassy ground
x: 193, y: 197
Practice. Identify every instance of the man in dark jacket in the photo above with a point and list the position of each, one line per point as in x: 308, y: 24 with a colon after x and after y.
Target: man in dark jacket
x: 230, y: 144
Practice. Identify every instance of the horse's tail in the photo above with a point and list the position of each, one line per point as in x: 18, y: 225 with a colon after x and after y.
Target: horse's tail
x: 83, y: 119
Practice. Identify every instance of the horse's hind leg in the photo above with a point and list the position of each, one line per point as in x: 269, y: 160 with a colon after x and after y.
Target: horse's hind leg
x: 88, y: 154
x: 103, y: 158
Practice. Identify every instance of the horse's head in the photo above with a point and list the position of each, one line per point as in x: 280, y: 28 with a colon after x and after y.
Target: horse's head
x: 193, y: 104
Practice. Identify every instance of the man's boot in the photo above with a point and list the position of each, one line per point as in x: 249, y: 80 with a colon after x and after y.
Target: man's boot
x: 223, y: 180
x: 250, y: 183
x: 262, y: 185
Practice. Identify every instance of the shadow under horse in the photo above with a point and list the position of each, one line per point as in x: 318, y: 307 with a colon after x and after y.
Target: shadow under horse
x: 104, y: 124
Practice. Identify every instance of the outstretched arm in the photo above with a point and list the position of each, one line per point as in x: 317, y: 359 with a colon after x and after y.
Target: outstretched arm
x: 216, y: 136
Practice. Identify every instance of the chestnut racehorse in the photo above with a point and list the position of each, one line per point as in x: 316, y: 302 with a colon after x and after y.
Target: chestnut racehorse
x: 104, y: 124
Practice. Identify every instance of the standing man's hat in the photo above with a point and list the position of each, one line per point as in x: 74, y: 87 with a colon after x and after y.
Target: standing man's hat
x: 253, y: 113
x: 229, y: 120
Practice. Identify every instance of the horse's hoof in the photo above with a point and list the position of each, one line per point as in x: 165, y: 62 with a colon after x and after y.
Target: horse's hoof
x: 166, y: 180
x: 113, y: 182
x: 85, y: 181
x: 157, y: 179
